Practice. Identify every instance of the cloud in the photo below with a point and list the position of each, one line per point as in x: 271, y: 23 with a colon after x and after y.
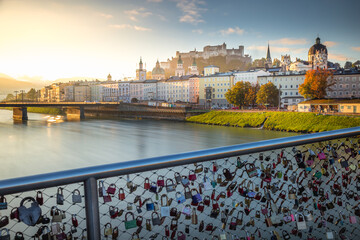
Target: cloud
x: 191, y: 11
x: 289, y: 41
x: 330, y: 43
x: 356, y: 48
x: 155, y: 1
x: 135, y: 13
x: 338, y: 57
x: 129, y: 26
x: 198, y: 31
x: 282, y: 50
x: 230, y: 30
x: 108, y: 16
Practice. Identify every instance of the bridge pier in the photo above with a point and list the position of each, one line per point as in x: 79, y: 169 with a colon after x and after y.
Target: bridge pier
x: 75, y: 113
x: 20, y: 114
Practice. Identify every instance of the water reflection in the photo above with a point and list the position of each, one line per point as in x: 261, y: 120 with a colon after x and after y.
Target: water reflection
x: 39, y: 146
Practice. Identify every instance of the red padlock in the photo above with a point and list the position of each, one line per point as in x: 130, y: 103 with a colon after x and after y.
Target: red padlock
x: 139, y: 220
x: 206, y: 200
x: 200, y: 207
x: 192, y: 175
x: 209, y: 227
x: 215, y: 204
x: 111, y: 189
x: 121, y: 194
x: 160, y: 181
x: 213, y: 195
x: 14, y: 214
x: 229, y: 193
x: 147, y: 184
x: 74, y: 221
x: 167, y: 231
x: 215, y: 167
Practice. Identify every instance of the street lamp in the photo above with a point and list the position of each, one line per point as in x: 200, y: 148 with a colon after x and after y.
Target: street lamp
x: 16, y: 95
x: 22, y: 95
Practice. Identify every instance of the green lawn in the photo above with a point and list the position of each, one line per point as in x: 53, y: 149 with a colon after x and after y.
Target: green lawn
x: 281, y: 121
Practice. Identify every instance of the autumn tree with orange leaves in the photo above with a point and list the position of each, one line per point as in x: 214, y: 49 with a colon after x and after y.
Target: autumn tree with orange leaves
x: 316, y: 84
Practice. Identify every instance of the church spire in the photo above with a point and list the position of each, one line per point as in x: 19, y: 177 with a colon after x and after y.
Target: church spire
x: 268, y: 62
x: 140, y: 64
x: 268, y: 57
x: 179, y: 60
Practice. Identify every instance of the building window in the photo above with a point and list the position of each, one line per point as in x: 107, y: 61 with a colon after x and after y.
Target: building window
x: 353, y: 86
x: 340, y: 86
x: 348, y: 107
x: 340, y: 93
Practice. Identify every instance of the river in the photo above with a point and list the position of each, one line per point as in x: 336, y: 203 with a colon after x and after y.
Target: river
x: 41, y: 147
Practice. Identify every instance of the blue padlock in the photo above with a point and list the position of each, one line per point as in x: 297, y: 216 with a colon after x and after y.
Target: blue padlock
x: 180, y: 198
x: 3, y: 203
x: 196, y: 198
x: 153, y: 188
x: 150, y: 206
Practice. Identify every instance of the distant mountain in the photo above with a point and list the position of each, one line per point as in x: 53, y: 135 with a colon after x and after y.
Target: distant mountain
x: 65, y: 80
x: 9, y: 84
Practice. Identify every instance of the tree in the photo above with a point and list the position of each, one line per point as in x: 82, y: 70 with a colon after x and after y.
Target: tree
x: 316, y: 83
x: 348, y: 65
x: 276, y: 62
x: 239, y: 95
x: 259, y: 62
x: 10, y: 97
x: 134, y: 100
x: 250, y: 97
x: 268, y: 94
x: 31, y: 94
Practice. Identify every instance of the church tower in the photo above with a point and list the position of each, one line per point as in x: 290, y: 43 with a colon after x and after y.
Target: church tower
x: 193, y: 69
x: 109, y: 78
x: 268, y: 62
x: 180, y: 71
x: 141, y: 72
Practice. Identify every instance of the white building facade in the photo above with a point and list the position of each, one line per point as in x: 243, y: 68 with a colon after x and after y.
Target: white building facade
x: 288, y: 85
x: 249, y: 76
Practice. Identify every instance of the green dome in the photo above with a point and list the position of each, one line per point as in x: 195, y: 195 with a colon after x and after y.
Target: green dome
x: 157, y: 69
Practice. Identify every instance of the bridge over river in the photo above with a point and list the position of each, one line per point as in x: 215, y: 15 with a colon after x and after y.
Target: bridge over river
x: 78, y: 110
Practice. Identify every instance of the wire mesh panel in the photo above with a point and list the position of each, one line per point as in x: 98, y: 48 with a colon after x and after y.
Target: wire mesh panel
x: 302, y: 192
x: 51, y: 213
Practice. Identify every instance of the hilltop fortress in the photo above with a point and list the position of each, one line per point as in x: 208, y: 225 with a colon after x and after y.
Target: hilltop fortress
x: 218, y: 55
x: 214, y: 51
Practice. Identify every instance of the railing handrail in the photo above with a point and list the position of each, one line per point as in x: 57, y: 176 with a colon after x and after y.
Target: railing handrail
x: 22, y: 184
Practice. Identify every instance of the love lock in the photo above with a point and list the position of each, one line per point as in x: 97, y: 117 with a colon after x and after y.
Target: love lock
x: 30, y: 215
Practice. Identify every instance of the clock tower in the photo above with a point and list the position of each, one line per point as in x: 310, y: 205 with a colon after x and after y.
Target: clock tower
x: 141, y: 72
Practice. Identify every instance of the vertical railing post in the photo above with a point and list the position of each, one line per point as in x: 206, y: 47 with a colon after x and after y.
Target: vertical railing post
x: 92, y: 209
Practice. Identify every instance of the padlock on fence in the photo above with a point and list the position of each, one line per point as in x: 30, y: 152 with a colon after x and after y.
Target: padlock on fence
x: 76, y: 197
x: 30, y: 215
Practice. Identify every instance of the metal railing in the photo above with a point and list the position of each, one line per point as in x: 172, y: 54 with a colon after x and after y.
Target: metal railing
x: 143, y: 193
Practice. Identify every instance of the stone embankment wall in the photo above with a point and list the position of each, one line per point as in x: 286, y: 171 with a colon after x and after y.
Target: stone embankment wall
x: 139, y: 111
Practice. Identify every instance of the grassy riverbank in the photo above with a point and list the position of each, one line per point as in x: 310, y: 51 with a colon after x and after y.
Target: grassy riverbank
x: 43, y: 110
x: 281, y: 121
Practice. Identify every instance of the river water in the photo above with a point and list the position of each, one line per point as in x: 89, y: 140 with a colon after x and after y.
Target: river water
x: 41, y: 147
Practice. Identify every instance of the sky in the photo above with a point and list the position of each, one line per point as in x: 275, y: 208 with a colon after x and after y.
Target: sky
x: 51, y: 39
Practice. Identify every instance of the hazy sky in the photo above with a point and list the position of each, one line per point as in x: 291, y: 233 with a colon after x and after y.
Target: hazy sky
x: 53, y: 39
